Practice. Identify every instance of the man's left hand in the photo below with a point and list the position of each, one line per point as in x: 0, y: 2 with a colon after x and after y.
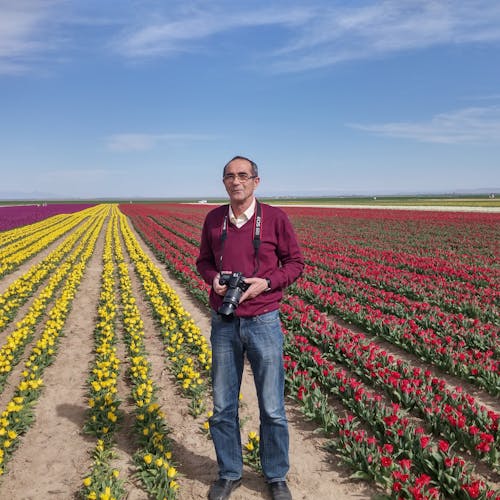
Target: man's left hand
x: 257, y: 286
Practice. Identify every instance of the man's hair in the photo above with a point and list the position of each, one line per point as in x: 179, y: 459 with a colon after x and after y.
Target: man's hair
x: 255, y: 169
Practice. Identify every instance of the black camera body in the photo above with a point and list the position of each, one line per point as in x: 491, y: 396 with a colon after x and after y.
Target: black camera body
x: 235, y: 287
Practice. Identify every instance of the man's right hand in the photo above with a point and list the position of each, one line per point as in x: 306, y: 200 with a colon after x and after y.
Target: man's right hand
x: 218, y: 288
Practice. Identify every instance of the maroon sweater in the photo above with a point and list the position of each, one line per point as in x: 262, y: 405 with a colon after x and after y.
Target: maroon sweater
x: 279, y: 257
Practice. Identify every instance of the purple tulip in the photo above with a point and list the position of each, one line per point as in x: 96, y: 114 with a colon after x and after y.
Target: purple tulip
x: 22, y: 215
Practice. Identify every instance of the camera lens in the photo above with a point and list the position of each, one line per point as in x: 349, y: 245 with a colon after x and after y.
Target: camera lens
x: 230, y: 301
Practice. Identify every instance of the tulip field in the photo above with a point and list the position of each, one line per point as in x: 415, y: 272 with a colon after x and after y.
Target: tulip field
x: 391, y: 341
x: 15, y: 216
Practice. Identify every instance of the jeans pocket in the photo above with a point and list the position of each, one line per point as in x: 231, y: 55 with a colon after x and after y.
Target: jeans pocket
x: 268, y: 318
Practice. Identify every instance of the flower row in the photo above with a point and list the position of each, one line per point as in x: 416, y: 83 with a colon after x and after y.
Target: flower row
x: 104, y: 415
x: 389, y: 423
x: 153, y: 459
x: 31, y: 242
x: 185, y: 345
x: 454, y: 413
x: 12, y: 349
x: 19, y: 414
x: 377, y: 459
x: 175, y: 253
x: 23, y: 287
x: 479, y: 367
x: 22, y: 215
x: 473, y: 332
x: 427, y: 288
x: 453, y: 416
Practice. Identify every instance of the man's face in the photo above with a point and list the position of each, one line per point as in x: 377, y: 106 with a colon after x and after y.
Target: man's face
x: 238, y: 188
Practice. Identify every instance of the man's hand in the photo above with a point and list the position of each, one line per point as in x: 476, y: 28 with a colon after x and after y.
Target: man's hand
x: 257, y: 286
x: 218, y: 288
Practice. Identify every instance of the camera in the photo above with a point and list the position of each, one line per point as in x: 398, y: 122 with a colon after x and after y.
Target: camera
x: 235, y: 287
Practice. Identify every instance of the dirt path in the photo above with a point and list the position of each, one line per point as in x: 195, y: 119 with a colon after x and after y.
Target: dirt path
x: 54, y: 455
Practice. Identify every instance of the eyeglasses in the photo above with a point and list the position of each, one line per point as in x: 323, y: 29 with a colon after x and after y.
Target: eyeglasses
x: 242, y: 177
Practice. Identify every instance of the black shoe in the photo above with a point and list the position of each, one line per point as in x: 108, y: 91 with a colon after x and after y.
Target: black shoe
x: 222, y: 488
x: 280, y: 491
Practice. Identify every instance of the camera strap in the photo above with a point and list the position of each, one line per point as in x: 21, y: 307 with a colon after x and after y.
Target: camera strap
x: 257, y: 229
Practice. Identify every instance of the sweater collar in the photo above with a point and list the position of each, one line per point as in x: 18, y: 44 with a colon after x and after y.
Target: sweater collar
x: 244, y: 217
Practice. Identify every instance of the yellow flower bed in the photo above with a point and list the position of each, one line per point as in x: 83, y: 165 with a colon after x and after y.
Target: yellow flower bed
x: 104, y: 416
x: 185, y: 346
x: 14, y: 254
x: 11, y: 350
x: 18, y: 414
x: 12, y: 235
x: 21, y: 289
x: 154, y: 457
x: 183, y: 339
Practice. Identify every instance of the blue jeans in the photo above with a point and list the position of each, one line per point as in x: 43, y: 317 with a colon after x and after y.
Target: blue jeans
x: 261, y: 339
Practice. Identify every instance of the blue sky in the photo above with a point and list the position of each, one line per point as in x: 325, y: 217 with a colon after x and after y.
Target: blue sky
x: 151, y: 98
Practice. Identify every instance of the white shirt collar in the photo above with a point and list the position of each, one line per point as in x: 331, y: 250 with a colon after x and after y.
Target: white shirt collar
x: 244, y: 217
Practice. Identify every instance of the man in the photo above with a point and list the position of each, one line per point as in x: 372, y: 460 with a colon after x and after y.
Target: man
x: 258, y: 241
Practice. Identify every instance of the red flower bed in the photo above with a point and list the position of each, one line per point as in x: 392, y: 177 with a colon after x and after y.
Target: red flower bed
x: 429, y: 282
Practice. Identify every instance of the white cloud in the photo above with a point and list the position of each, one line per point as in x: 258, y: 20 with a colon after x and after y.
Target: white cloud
x: 320, y: 34
x: 306, y: 35
x: 32, y: 31
x: 24, y: 33
x: 469, y: 125
x: 163, y: 38
x: 342, y: 34
x: 145, y: 142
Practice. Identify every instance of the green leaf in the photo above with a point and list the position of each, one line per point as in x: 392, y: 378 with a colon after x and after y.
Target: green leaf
x: 360, y: 475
